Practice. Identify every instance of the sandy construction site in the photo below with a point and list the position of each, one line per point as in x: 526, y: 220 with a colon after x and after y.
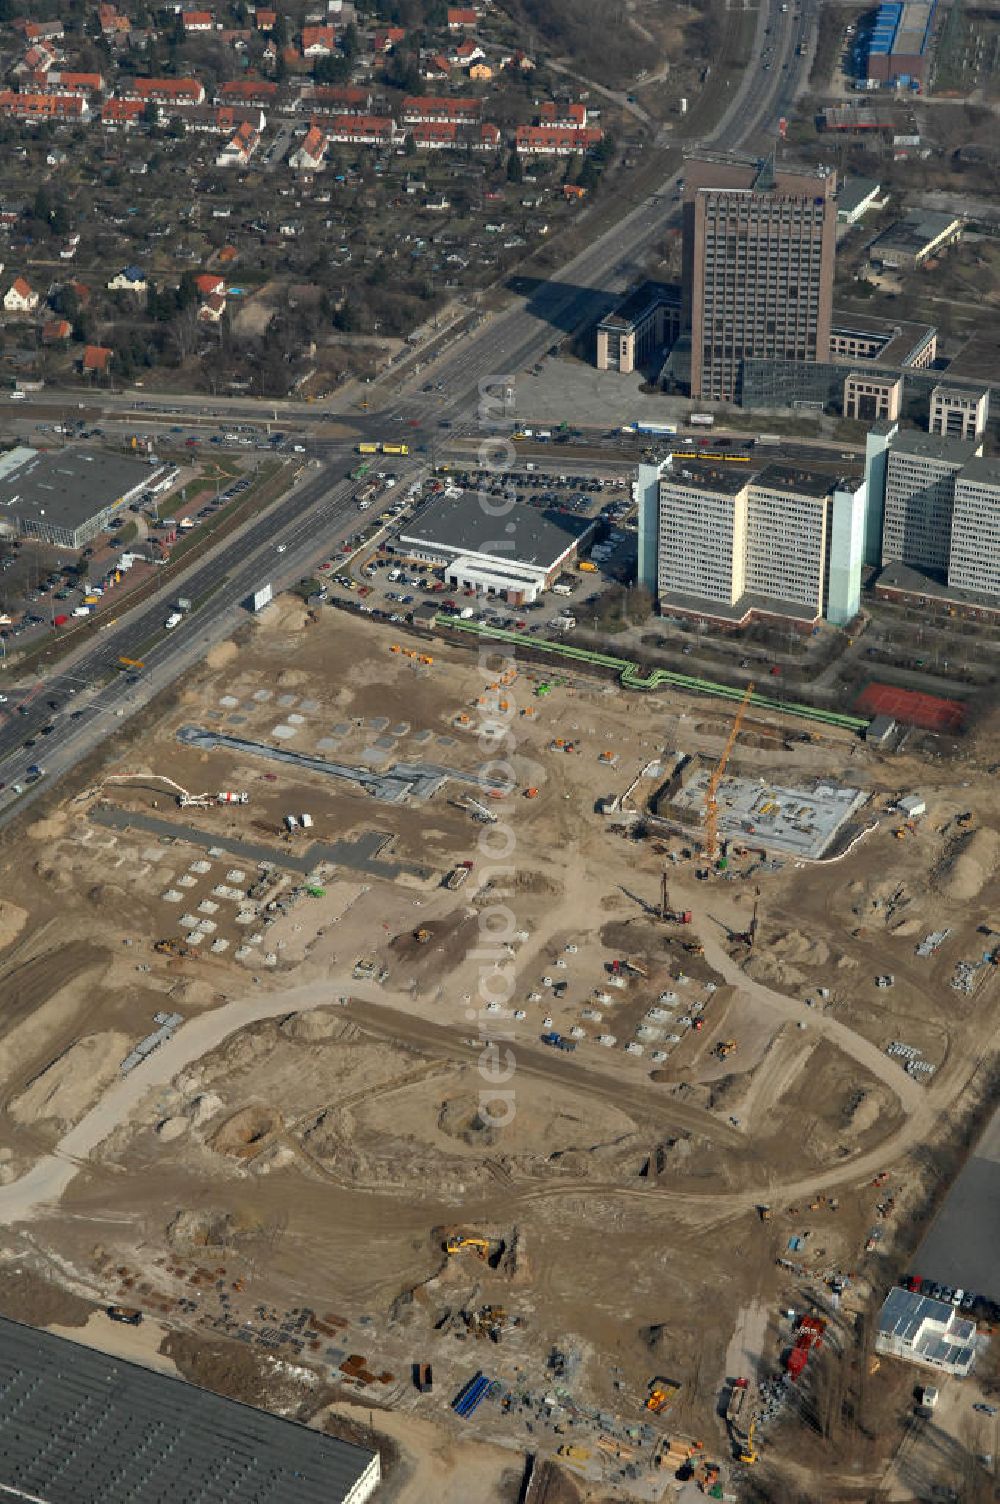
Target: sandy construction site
x: 349, y: 1072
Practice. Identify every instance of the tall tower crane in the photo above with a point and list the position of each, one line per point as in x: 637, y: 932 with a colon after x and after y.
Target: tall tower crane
x: 711, y: 793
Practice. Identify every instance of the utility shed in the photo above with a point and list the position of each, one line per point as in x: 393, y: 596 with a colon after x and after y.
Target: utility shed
x: 78, y: 1427
x: 912, y: 805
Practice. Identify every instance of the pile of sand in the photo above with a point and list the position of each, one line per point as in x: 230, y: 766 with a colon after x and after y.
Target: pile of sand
x: 245, y: 1133
x: 800, y: 949
x: 69, y: 1086
x: 12, y: 922
x: 971, y: 865
x: 320, y: 1023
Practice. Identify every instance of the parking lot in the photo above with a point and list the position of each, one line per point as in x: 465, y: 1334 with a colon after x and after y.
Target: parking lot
x: 387, y: 584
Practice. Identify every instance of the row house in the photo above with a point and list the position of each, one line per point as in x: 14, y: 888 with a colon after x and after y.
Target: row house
x: 240, y: 148
x: 249, y: 91
x: 318, y: 41
x: 223, y: 119
x: 554, y: 140
x: 336, y: 99
x: 568, y: 116
x: 43, y: 106
x: 125, y: 112
x: 166, y: 91
x: 73, y: 83
x: 426, y: 109
x: 437, y: 136
x: 40, y: 31
x: 362, y: 130
x: 308, y: 156
x: 462, y: 20
x: 194, y: 21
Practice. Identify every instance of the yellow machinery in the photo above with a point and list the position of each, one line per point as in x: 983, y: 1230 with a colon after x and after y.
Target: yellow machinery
x: 749, y: 1454
x: 481, y: 1246
x: 725, y: 1047
x: 421, y: 936
x: 711, y: 793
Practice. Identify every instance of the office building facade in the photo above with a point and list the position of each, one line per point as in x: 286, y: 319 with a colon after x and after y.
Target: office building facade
x: 920, y: 498
x: 958, y: 413
x: 974, y: 561
x: 759, y: 244
x: 727, y: 547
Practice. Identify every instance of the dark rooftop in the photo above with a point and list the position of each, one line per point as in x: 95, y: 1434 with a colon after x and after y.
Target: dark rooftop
x: 708, y: 476
x: 933, y: 446
x: 69, y: 486
x: 522, y: 535
x: 78, y: 1427
x: 796, y: 479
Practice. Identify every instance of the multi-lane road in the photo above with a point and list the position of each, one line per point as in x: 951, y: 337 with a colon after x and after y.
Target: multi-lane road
x: 92, y: 697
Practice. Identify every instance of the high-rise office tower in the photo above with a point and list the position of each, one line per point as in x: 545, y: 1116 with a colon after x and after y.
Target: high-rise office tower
x: 759, y: 241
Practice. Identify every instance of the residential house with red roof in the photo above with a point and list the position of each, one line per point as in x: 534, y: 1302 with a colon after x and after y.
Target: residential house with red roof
x: 308, y: 156
x: 43, y: 106
x: 240, y: 148
x: 96, y: 359
x: 362, y: 130
x: 572, y: 116
x: 194, y: 21
x: 165, y: 91
x: 462, y: 20
x: 418, y: 109
x: 20, y: 297
x: 318, y: 41
x: 554, y: 140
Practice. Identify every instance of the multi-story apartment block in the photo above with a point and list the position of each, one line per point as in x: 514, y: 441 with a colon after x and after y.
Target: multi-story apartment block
x: 920, y: 498
x: 974, y: 562
x: 759, y: 241
x: 726, y: 546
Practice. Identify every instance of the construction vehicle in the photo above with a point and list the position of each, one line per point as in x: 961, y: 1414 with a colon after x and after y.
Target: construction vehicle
x: 185, y: 798
x: 476, y: 810
x: 460, y: 1243
x: 575, y: 1453
x: 662, y: 1394
x: 712, y: 791
x: 421, y: 936
x: 667, y: 914
x: 458, y: 875
x: 694, y: 947
x: 423, y: 1378
x: 748, y: 936
x: 737, y: 1401
x: 128, y: 1315
x: 749, y: 1452
x: 764, y: 1212
x: 724, y: 1048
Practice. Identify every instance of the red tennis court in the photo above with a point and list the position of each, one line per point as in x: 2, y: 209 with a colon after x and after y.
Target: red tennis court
x: 926, y: 711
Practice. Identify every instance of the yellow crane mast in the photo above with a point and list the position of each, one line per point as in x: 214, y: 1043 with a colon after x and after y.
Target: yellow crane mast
x: 711, y: 793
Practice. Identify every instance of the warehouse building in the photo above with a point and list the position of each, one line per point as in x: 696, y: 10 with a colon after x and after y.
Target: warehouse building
x: 513, y: 552
x: 899, y: 43
x: 68, y: 496
x: 79, y: 1427
x: 914, y: 239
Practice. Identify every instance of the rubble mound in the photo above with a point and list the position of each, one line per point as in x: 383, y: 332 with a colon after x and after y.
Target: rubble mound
x: 171, y: 1128
x: 319, y: 1023
x: 208, y: 1229
x: 969, y: 867
x: 245, y: 1133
